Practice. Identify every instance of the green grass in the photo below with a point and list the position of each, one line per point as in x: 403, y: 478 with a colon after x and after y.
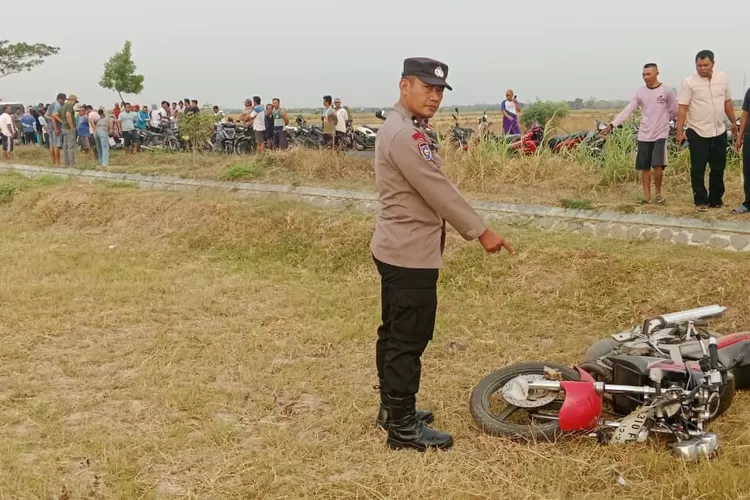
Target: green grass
x: 164, y: 344
x: 577, y: 204
x: 250, y: 170
x: 7, y: 192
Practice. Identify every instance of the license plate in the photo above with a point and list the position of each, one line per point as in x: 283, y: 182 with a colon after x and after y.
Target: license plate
x: 631, y: 426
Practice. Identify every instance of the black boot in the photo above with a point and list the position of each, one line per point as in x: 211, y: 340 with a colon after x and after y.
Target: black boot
x: 384, y: 419
x: 406, y: 431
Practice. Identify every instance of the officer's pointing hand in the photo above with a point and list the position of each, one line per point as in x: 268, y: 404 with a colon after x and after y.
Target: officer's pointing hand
x: 493, y: 242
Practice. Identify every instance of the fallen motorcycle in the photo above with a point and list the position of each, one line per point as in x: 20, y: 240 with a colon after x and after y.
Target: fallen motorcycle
x: 668, y: 375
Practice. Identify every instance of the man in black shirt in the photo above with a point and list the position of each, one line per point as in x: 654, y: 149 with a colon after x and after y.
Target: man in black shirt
x: 742, y: 136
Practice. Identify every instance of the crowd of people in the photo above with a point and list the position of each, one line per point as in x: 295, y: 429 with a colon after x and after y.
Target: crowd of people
x: 65, y: 125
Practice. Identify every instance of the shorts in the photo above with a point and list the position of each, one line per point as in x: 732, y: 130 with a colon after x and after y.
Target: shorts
x: 8, y: 143
x: 260, y: 136
x: 651, y: 154
x: 56, y: 140
x: 84, y: 142
x: 130, y: 137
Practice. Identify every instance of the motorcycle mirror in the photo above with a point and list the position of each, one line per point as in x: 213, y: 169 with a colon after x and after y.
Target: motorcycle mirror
x: 455, y: 109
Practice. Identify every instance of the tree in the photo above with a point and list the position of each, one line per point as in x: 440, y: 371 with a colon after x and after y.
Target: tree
x: 20, y: 57
x: 119, y: 74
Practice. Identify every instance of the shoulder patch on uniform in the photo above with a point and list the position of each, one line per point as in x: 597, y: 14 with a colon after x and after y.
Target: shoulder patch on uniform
x: 425, y: 151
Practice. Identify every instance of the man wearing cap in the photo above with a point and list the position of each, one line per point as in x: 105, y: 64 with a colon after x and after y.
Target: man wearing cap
x: 68, y: 127
x: 52, y: 117
x: 416, y: 199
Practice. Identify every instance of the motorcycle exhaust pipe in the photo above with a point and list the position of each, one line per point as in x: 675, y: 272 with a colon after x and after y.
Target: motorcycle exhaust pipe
x: 554, y: 385
x: 692, y: 314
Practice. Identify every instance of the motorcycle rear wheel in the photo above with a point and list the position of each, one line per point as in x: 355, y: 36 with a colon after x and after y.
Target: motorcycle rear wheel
x: 480, y: 403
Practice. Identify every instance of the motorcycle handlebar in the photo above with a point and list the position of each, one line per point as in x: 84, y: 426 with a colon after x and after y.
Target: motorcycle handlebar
x: 713, y: 353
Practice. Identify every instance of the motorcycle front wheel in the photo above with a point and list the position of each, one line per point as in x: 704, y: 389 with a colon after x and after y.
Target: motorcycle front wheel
x: 505, y: 422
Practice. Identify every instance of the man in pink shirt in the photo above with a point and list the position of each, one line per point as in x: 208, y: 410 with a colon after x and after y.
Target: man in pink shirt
x: 659, y: 105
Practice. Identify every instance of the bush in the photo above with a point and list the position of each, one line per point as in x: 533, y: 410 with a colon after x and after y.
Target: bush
x: 196, y: 128
x: 546, y: 113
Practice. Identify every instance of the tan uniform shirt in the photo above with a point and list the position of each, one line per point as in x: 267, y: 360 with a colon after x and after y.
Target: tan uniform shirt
x: 416, y: 197
x: 705, y: 100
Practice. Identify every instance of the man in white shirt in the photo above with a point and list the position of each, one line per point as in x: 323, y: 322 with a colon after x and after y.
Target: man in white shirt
x: 511, y: 109
x: 7, y: 132
x: 258, y: 116
x: 155, y: 117
x: 703, y: 101
x: 343, y: 119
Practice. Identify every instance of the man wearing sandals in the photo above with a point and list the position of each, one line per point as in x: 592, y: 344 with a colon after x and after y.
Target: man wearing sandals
x: 704, y: 100
x: 744, y: 134
x: 659, y: 105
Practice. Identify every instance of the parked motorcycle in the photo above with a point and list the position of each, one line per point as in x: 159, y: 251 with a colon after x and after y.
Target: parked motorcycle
x: 166, y: 138
x: 362, y: 137
x: 592, y: 139
x: 529, y: 142
x: 244, y: 140
x: 668, y: 375
x: 307, y: 136
x: 460, y: 136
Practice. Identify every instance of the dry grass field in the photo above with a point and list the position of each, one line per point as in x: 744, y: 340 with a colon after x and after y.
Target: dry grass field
x: 167, y: 345
x: 576, y: 120
x: 486, y: 173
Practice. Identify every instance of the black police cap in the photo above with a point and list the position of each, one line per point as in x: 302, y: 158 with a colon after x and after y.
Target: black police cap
x: 428, y: 70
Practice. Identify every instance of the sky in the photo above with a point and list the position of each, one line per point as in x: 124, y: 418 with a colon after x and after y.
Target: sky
x: 299, y: 50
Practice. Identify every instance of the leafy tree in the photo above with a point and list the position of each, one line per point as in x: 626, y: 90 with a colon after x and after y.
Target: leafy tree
x: 20, y: 57
x: 544, y: 112
x: 119, y: 73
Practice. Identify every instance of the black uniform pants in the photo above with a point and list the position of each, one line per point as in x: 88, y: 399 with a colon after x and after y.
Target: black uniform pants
x: 746, y: 169
x: 711, y: 150
x: 409, y: 307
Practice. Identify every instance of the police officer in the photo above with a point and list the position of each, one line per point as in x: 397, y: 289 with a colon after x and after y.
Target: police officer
x: 416, y: 199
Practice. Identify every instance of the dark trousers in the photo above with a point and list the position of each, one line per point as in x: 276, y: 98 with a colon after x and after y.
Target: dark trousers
x: 409, y: 306
x: 746, y: 169
x: 711, y: 150
x: 279, y: 138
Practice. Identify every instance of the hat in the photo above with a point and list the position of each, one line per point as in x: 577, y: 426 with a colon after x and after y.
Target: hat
x: 428, y: 70
x: 72, y: 97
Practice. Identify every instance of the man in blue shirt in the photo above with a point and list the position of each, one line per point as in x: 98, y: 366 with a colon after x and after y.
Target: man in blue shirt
x: 28, y: 122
